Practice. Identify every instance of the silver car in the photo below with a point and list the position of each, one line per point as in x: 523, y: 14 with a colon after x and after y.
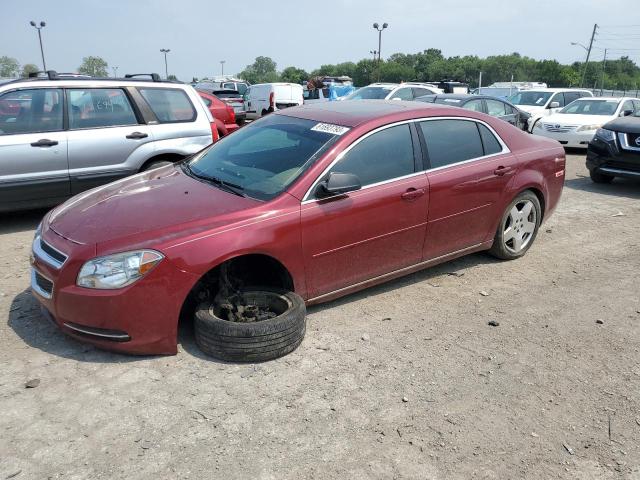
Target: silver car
x: 60, y: 136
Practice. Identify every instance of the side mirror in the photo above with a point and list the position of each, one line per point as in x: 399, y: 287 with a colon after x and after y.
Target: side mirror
x: 338, y: 184
x: 554, y: 105
x: 626, y: 113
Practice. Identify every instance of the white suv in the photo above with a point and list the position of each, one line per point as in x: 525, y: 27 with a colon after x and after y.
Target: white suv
x: 394, y: 91
x: 60, y: 135
x: 542, y: 102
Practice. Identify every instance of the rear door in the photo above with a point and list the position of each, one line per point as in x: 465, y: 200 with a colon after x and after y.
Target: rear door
x: 500, y: 110
x: 467, y: 173
x: 33, y: 147
x: 351, y: 238
x: 107, y: 140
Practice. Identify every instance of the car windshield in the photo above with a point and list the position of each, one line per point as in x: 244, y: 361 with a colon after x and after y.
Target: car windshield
x: 591, y: 107
x: 370, y: 93
x: 262, y: 159
x: 531, y: 98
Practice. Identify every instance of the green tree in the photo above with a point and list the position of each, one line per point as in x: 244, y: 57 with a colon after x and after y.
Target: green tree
x: 9, y: 67
x: 262, y: 70
x: 172, y: 78
x: 294, y: 75
x: 94, y: 66
x: 28, y: 68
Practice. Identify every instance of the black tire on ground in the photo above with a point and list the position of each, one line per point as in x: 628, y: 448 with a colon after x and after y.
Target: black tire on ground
x: 252, y: 342
x: 598, y: 177
x: 157, y: 164
x: 500, y: 249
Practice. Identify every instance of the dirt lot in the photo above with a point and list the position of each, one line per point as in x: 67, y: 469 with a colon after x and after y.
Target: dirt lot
x: 402, y: 381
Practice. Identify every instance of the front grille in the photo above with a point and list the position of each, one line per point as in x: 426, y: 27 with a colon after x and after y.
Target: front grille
x: 631, y: 166
x: 41, y: 284
x: 557, y: 128
x: 52, y: 252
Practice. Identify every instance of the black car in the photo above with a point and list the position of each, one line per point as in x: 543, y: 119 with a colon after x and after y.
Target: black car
x: 615, y: 150
x: 493, y: 106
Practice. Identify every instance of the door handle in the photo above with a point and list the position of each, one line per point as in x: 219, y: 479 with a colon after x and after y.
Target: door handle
x: 412, y: 194
x: 137, y: 135
x: 501, y: 171
x: 45, y: 142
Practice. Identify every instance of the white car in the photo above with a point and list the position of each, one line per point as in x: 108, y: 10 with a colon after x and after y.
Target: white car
x: 394, y: 91
x: 575, y: 125
x: 542, y: 102
x: 265, y: 98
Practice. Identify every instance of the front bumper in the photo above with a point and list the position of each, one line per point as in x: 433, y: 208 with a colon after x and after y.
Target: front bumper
x: 609, y: 158
x: 570, y: 139
x: 141, y: 318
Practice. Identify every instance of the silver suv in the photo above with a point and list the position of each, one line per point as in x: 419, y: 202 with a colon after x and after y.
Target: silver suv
x: 61, y: 135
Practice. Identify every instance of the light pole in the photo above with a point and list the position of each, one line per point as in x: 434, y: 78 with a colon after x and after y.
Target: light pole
x: 166, y: 69
x: 115, y: 72
x: 40, y: 27
x: 379, y: 29
x: 222, y: 62
x: 580, y: 45
x: 374, y: 53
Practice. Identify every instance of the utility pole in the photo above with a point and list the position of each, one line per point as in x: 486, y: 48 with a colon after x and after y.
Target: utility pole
x: 166, y: 69
x: 586, y: 63
x: 379, y: 29
x: 115, y: 71
x: 222, y: 62
x: 604, y: 66
x: 480, y: 83
x: 40, y: 27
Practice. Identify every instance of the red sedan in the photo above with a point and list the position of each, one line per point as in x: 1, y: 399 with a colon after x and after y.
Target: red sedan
x: 223, y: 114
x: 320, y: 200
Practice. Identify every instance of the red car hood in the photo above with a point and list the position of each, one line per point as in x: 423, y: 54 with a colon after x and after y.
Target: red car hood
x: 153, y: 205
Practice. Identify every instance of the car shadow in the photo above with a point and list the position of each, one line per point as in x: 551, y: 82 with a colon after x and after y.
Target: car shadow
x: 36, y: 331
x: 15, y: 222
x: 620, y: 187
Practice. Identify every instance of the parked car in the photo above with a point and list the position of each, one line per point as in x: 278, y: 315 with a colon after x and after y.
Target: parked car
x: 223, y: 114
x: 235, y: 100
x: 482, y: 103
x: 316, y: 95
x: 543, y: 102
x: 264, y: 98
x: 392, y: 91
x: 223, y: 83
x: 62, y: 135
x: 303, y: 206
x: 615, y: 149
x: 576, y: 124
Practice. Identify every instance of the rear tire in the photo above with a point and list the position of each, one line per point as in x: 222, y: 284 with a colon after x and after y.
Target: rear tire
x: 598, y: 177
x: 518, y: 227
x: 252, y: 342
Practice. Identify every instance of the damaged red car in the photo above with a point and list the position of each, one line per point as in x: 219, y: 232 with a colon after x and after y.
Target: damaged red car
x: 302, y: 206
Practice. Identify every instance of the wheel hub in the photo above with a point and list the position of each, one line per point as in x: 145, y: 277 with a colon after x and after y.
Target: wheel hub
x: 519, y: 226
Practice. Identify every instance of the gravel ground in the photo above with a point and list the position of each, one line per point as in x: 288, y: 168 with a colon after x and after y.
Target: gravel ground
x: 406, y: 380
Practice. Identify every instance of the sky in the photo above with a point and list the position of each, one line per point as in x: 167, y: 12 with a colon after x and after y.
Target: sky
x: 200, y: 33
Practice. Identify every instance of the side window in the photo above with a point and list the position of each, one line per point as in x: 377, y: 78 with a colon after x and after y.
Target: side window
x: 230, y: 86
x: 451, y: 141
x: 420, y: 92
x: 558, y: 97
x: 170, y: 105
x: 31, y: 111
x: 403, y: 94
x: 489, y: 141
x: 206, y: 101
x: 382, y: 156
x: 242, y: 88
x: 474, y: 105
x: 570, y: 97
x: 628, y: 105
x: 495, y: 108
x: 99, y: 107
x: 636, y: 105
x: 325, y: 92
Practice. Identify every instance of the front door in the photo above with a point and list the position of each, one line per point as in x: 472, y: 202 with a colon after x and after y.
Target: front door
x: 350, y: 238
x: 103, y: 134
x: 33, y: 147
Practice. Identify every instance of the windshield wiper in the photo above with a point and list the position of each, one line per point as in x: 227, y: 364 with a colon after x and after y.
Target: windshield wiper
x: 218, y: 182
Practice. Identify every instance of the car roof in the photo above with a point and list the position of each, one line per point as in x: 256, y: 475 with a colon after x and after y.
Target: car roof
x: 554, y: 90
x: 89, y: 82
x: 351, y: 113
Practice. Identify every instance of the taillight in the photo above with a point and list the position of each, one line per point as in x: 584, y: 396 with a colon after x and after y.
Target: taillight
x: 214, y: 132
x: 271, y: 100
x: 232, y: 114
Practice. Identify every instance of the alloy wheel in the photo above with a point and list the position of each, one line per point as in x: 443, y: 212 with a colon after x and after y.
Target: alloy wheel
x: 519, y: 226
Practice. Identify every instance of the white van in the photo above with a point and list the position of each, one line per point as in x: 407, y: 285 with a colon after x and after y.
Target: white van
x: 265, y: 98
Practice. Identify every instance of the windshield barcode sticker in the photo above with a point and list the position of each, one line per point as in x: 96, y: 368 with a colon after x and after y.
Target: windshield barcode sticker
x: 329, y: 128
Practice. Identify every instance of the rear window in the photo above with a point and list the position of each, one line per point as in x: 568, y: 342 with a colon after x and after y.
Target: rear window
x: 169, y: 105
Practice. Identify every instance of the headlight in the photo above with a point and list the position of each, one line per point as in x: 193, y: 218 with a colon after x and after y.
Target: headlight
x: 118, y: 270
x: 538, y: 125
x: 605, y: 135
x: 586, y: 128
x: 38, y: 231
